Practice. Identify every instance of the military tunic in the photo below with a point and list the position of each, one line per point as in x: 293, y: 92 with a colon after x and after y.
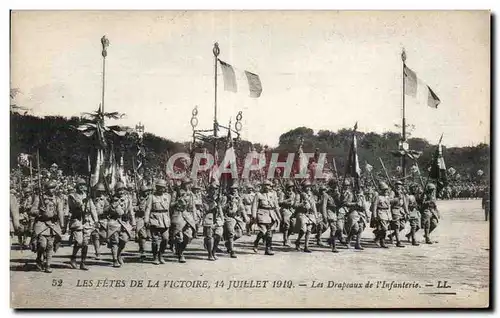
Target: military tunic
x: 306, y: 212
x: 234, y: 218
x: 381, y: 211
x: 398, y: 212
x: 48, y: 214
x: 82, y: 219
x: 100, y: 206
x: 213, y: 219
x: 121, y: 219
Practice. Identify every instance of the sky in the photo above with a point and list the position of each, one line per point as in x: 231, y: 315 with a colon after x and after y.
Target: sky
x: 319, y: 69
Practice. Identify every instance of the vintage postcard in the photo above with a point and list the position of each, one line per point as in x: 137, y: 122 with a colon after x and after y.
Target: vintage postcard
x: 250, y: 159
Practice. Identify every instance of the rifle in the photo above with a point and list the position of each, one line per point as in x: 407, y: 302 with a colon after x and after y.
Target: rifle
x: 40, y: 190
x: 386, y: 174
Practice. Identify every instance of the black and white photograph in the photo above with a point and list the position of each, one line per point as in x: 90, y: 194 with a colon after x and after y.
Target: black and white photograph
x: 250, y: 159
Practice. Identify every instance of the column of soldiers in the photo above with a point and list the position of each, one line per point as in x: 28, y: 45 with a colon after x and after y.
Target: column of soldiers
x: 170, y: 218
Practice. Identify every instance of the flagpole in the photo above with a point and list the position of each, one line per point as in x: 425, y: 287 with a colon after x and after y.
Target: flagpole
x: 216, y: 52
x: 403, y: 158
x: 104, y: 43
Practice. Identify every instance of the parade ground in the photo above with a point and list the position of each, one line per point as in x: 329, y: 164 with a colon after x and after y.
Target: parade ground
x: 452, y: 273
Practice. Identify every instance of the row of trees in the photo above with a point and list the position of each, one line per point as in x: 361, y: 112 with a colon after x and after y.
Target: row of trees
x: 59, y: 142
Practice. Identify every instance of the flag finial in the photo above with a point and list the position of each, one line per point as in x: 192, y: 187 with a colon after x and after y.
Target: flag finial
x: 216, y: 49
x: 403, y: 55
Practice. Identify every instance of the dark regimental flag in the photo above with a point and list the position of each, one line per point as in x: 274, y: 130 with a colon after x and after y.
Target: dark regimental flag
x: 438, y: 167
x: 353, y: 168
x: 415, y: 87
x: 231, y: 80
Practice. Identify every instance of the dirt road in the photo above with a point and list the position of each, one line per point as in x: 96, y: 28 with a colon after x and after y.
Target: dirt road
x: 452, y: 273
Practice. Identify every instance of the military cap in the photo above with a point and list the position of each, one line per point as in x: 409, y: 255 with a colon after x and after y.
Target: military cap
x: 50, y: 185
x: 234, y: 186
x: 322, y: 187
x: 161, y: 183
x: 267, y: 183
x: 249, y: 186
x: 383, y: 186
x: 186, y: 181
x: 290, y: 184
x: 347, y: 181
x: 307, y: 183
x: 81, y: 181
x: 195, y: 187
x: 399, y: 182
x: 54, y: 165
x: 98, y: 187
x: 431, y: 186
x: 144, y: 188
x: 120, y: 185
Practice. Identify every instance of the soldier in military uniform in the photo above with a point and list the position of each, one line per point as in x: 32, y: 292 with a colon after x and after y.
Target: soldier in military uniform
x: 15, y: 226
x: 288, y: 202
x: 120, y: 223
x: 198, y: 207
x: 25, y: 220
x: 248, y: 198
x: 356, y: 220
x: 100, y: 205
x: 183, y: 224
x: 306, y: 216
x: 329, y: 213
x: 321, y: 222
x: 213, y: 221
x: 413, y: 214
x: 235, y: 219
x: 430, y: 212
x: 485, y: 203
x: 381, y: 207
x: 399, y: 212
x: 262, y: 211
x: 157, y: 218
x: 344, y: 202
x: 82, y: 222
x: 48, y: 213
x: 142, y: 231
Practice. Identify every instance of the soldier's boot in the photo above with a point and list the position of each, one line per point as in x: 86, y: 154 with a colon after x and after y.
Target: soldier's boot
x: 285, y: 237
x: 426, y: 235
x: 382, y: 242
x: 209, y: 244
x: 39, y: 262
x: 230, y: 243
x: 306, y: 243
x: 161, y: 252
x: 398, y: 242
x: 215, y: 246
x: 181, y: 247
x: 83, y: 266
x: 409, y: 236
x: 391, y: 241
x: 142, y: 252
x: 333, y: 240
x: 269, y: 243
x: 348, y: 241
x: 48, y: 257
x: 256, y: 242
x: 413, y: 240
x: 154, y: 249
x: 72, y: 261
x: 97, y: 246
x: 297, y: 241
x: 121, y: 247
x: 114, y: 253
x: 358, y: 242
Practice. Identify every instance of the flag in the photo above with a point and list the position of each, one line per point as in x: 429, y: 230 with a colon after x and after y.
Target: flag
x: 415, y: 87
x: 94, y: 179
x: 105, y: 44
x: 438, y: 167
x: 231, y: 83
x: 353, y: 168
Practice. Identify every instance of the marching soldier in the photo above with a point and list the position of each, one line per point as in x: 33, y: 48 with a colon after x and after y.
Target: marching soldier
x: 288, y: 202
x: 321, y: 222
x: 15, y: 226
x: 262, y: 211
x: 485, y: 203
x: 356, y: 220
x: 25, y: 220
x: 248, y: 198
x: 198, y: 207
x: 306, y: 216
x: 142, y: 231
x: 234, y: 219
x: 100, y: 206
x: 345, y: 201
x: 213, y: 221
x: 329, y: 212
x: 120, y: 223
x: 157, y: 218
x: 382, y: 214
x: 399, y: 212
x: 48, y: 213
x: 183, y: 224
x: 82, y: 221
x: 413, y: 214
x: 430, y: 214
